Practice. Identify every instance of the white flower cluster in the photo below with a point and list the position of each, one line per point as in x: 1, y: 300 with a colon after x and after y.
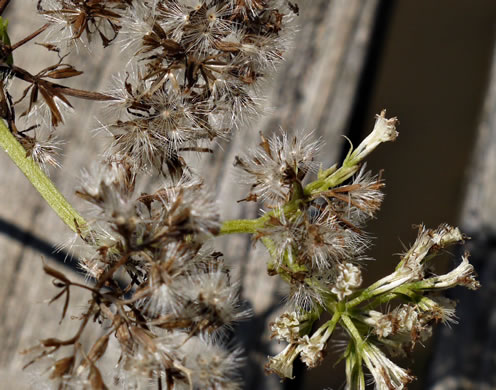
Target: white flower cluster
x: 348, y: 279
x: 316, y: 238
x: 293, y: 328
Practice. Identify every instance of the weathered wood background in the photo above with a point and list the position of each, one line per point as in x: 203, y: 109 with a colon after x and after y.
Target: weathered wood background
x: 316, y: 83
x: 465, y: 356
x: 316, y: 88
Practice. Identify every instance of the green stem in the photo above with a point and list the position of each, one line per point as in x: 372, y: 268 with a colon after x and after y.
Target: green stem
x: 234, y: 226
x: 333, y: 180
x: 352, y: 330
x: 332, y: 323
x: 40, y: 181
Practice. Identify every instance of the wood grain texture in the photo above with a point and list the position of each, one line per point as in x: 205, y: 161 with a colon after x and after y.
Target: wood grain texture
x: 465, y: 356
x: 313, y: 89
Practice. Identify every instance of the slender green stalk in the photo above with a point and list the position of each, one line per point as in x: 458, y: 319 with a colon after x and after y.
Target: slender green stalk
x: 239, y: 226
x: 352, y: 330
x: 332, y: 323
x: 40, y: 181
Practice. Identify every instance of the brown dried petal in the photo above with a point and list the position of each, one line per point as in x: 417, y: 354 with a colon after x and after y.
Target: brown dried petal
x: 56, y: 274
x: 51, y: 342
x: 56, y: 115
x: 62, y: 367
x: 96, y: 352
x: 144, y: 338
x: 63, y: 73
x: 96, y: 380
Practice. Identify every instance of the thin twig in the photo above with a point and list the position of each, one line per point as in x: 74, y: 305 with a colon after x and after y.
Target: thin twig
x: 3, y: 5
x: 29, y: 37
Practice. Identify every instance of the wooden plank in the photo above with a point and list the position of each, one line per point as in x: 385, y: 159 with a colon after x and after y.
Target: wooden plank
x: 313, y: 89
x: 465, y: 355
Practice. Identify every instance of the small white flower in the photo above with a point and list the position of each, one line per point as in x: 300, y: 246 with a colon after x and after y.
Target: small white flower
x: 349, y: 278
x: 312, y: 350
x: 382, y: 323
x: 282, y: 363
x: 384, y: 131
x: 387, y: 375
x: 414, y: 261
x: 286, y: 327
x: 463, y: 275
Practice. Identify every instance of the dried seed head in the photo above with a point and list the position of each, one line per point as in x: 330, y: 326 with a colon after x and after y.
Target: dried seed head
x: 43, y: 150
x: 277, y: 164
x: 71, y: 20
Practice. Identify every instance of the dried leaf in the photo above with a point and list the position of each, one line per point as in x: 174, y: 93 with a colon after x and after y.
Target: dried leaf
x: 63, y: 73
x: 48, y: 46
x: 54, y: 110
x: 80, y: 25
x: 62, y: 367
x: 123, y: 336
x: 144, y: 338
x: 33, y: 98
x: 96, y: 352
x: 66, y: 304
x: 56, y: 274
x: 51, y: 342
x: 96, y: 380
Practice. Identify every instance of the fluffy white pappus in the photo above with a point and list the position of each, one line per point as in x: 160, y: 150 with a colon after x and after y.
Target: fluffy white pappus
x: 193, y: 362
x: 324, y: 242
x: 180, y: 118
x: 317, y: 241
x: 174, y: 16
x: 214, y: 300
x: 285, y: 234
x: 94, y: 267
x: 61, y: 32
x: 252, y: 8
x: 207, y: 25
x: 276, y: 164
x: 360, y: 200
x: 307, y: 294
x: 159, y: 123
x: 212, y: 366
x: 168, y: 272
x: 190, y: 207
x: 44, y: 149
x: 243, y: 106
x: 440, y: 309
x: 136, y: 24
x: 42, y: 114
x: 259, y: 53
x: 109, y: 185
x: 145, y: 147
x: 125, y: 89
x: 235, y: 104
